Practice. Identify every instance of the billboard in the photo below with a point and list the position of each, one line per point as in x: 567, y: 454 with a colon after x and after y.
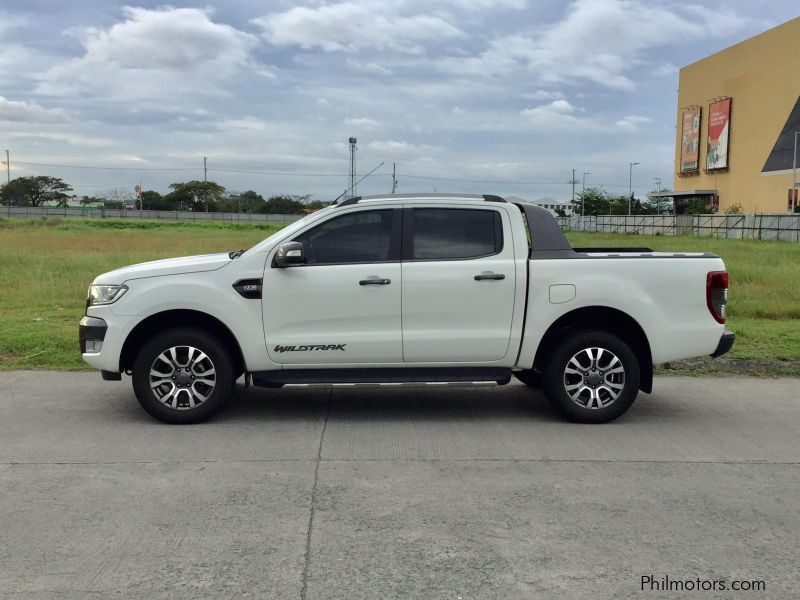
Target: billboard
x: 719, y: 126
x: 690, y: 140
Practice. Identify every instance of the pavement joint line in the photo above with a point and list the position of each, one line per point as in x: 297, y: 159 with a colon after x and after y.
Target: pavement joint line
x: 321, y: 459
x: 309, y: 531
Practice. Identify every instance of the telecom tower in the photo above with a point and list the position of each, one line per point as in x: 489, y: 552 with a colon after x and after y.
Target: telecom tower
x: 353, y: 190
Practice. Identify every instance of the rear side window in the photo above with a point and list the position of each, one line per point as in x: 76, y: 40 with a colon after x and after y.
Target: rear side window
x: 352, y: 238
x: 455, y: 233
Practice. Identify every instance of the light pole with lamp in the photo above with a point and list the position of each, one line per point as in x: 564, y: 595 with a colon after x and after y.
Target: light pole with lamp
x: 794, y: 174
x: 583, y: 189
x: 630, y: 185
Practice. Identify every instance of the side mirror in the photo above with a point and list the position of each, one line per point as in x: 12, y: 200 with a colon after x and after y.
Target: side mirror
x: 290, y: 254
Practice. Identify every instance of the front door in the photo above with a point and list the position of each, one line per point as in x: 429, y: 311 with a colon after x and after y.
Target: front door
x: 343, y: 305
x: 458, y: 285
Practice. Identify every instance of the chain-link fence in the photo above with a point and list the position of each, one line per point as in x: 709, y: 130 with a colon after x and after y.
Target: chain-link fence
x: 174, y: 215
x: 757, y: 226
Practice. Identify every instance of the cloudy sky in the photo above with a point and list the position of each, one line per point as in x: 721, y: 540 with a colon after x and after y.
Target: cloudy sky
x: 490, y: 96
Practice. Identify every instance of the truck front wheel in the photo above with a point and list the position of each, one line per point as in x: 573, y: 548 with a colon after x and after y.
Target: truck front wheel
x: 183, y: 375
x: 592, y: 377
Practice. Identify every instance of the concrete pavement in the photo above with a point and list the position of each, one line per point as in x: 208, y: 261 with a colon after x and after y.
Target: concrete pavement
x: 385, y: 493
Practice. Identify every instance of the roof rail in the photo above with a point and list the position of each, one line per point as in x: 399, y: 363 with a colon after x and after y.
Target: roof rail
x: 357, y: 199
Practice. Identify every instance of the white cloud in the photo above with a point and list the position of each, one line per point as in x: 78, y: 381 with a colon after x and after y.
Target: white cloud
x: 487, y: 4
x: 350, y: 27
x: 631, y: 123
x: 19, y: 111
x: 557, y: 115
x: 398, y: 148
x: 252, y: 123
x: 71, y: 138
x: 370, y: 67
x: 362, y: 123
x: 666, y: 69
x: 152, y: 53
x: 597, y: 40
x: 561, y: 115
x: 542, y: 95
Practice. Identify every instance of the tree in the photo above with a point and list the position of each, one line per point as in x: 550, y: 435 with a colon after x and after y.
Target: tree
x: 283, y: 205
x: 317, y: 204
x: 86, y: 200
x: 35, y: 190
x: 152, y: 200
x: 196, y: 195
x: 246, y: 202
x: 592, y: 201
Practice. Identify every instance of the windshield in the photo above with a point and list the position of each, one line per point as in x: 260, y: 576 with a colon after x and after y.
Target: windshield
x: 289, y: 230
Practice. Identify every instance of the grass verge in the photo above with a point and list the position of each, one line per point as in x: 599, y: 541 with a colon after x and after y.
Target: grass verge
x: 47, y: 264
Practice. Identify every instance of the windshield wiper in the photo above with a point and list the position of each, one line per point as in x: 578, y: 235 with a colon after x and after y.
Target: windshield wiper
x: 235, y: 254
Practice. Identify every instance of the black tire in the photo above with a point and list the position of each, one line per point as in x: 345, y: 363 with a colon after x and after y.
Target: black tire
x: 600, y: 396
x: 530, y: 378
x: 181, y: 403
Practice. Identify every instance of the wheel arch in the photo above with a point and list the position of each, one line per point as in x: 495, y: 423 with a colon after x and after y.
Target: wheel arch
x: 158, y: 322
x: 607, y: 319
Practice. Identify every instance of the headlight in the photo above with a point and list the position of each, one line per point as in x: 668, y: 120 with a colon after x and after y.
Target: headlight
x: 105, y: 294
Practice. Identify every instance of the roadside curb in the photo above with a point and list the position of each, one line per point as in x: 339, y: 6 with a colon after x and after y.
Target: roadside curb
x: 727, y: 366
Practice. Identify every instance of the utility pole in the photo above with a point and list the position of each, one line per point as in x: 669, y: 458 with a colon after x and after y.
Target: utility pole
x: 630, y: 186
x: 583, y: 189
x: 794, y: 173
x: 352, y: 141
x: 8, y: 177
x: 394, y: 177
x: 658, y: 191
x: 205, y: 169
x: 573, y: 181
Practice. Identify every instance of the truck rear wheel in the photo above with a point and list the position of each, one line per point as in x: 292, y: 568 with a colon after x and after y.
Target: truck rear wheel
x: 183, y: 375
x: 592, y: 377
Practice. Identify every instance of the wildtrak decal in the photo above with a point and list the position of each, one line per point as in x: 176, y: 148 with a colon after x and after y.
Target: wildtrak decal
x: 310, y: 348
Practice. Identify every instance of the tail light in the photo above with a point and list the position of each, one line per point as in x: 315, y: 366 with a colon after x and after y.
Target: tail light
x: 717, y: 294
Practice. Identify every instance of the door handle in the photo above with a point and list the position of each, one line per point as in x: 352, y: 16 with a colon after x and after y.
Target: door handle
x: 489, y: 275
x: 375, y: 281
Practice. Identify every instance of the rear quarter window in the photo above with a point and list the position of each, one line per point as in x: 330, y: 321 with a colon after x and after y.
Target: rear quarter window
x: 455, y: 233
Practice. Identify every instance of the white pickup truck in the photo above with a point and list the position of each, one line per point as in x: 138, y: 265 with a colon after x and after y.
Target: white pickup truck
x: 401, y: 289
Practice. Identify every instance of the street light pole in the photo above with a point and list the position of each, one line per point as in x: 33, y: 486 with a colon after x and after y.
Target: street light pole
x: 658, y: 191
x: 794, y: 174
x: 630, y: 185
x: 583, y: 190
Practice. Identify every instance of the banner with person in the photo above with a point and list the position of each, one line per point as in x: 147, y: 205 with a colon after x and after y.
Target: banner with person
x: 719, y: 124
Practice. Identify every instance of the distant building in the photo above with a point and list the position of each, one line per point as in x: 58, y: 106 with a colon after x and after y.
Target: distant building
x: 552, y: 205
x: 738, y: 111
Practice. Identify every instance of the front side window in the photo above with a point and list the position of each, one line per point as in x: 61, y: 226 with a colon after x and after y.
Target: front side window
x: 455, y: 233
x: 351, y: 238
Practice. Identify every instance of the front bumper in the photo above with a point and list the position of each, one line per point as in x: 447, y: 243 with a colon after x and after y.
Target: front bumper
x: 91, y: 330
x: 725, y: 344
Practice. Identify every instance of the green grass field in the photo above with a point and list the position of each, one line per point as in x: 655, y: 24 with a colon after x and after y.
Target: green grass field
x: 46, y: 266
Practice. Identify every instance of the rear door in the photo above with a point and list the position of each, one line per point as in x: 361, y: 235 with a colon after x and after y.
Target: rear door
x: 458, y: 284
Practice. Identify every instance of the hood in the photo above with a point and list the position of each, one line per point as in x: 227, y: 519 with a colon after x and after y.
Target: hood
x: 169, y: 266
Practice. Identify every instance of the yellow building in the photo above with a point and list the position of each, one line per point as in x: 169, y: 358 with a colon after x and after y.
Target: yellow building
x: 738, y: 111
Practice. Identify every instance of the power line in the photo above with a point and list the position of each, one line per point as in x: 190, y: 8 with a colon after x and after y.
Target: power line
x: 280, y: 173
x: 299, y: 174
x: 35, y: 164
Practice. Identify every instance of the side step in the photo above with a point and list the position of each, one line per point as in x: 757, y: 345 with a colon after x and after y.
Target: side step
x: 382, y: 375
